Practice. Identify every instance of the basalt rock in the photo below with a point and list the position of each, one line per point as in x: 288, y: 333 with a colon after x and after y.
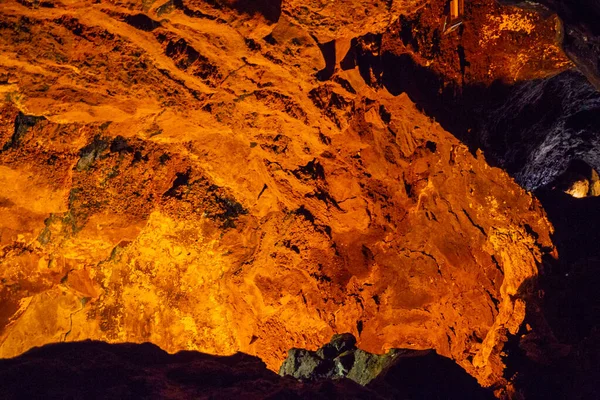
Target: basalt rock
x: 400, y: 373
x: 229, y: 176
x: 338, y: 359
x: 537, y: 121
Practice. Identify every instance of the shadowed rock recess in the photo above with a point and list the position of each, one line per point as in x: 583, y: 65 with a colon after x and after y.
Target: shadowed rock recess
x: 89, y: 369
x: 237, y: 176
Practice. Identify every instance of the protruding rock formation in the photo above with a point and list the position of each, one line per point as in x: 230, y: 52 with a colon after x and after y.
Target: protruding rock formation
x: 580, y: 34
x: 401, y: 373
x: 340, y: 358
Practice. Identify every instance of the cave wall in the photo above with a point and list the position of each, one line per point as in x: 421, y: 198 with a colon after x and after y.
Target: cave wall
x: 186, y: 174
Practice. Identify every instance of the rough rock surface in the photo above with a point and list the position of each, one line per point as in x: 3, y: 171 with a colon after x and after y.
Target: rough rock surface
x: 339, y: 358
x: 400, y: 373
x: 232, y: 176
x: 580, y: 34
x: 579, y: 180
x: 499, y: 83
x: 535, y: 128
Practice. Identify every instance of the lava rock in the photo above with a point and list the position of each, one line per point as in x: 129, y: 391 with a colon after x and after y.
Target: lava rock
x: 401, y: 373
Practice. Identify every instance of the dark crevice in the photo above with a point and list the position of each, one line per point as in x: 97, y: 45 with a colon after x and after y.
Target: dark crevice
x: 270, y: 9
x: 23, y: 123
x: 479, y: 227
x: 181, y: 179
x: 324, y: 196
x: 571, y: 283
x: 265, y: 187
x: 142, y: 22
x: 312, y: 170
x: 328, y: 50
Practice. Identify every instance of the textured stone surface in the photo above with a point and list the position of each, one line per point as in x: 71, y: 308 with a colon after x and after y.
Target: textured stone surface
x: 400, y: 373
x: 540, y: 127
x: 214, y: 176
x: 580, y: 34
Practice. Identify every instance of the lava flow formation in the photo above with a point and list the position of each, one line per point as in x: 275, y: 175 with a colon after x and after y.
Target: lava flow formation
x: 225, y: 176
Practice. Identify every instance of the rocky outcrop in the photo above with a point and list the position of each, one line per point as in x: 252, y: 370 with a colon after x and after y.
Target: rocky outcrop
x: 500, y: 84
x: 543, y: 131
x: 401, y: 373
x: 340, y: 358
x: 543, y: 126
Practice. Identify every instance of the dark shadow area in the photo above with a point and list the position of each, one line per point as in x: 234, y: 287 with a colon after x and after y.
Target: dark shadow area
x: 427, y: 375
x: 361, y: 54
x: 270, y: 9
x: 542, y: 368
x: 444, y: 103
x: 98, y: 370
x: 23, y: 123
x: 572, y: 300
x: 328, y: 50
x: 142, y: 22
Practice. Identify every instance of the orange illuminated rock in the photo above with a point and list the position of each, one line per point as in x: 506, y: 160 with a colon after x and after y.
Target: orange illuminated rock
x: 193, y: 184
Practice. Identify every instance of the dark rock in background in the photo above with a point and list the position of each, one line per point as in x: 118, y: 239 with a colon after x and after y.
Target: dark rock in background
x: 535, y: 129
x: 581, y: 36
